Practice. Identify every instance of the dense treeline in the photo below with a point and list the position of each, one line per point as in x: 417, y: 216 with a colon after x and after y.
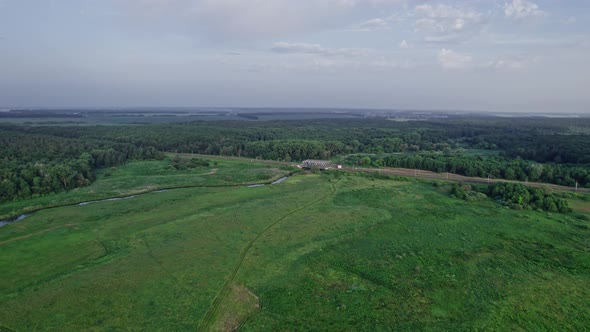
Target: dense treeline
x: 493, y: 167
x: 541, y: 140
x: 514, y: 195
x: 32, y: 165
x: 41, y: 160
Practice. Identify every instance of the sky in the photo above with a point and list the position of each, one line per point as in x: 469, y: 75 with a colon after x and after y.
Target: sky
x: 478, y: 55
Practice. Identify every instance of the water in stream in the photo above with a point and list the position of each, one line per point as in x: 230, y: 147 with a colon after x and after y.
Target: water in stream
x: 106, y: 200
x: 275, y: 182
x: 8, y: 221
x: 23, y: 216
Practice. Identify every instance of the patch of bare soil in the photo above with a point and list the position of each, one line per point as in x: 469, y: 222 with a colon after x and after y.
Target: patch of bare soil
x: 213, y: 171
x: 240, y: 304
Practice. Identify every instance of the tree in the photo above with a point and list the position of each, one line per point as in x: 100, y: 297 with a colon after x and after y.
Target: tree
x: 64, y: 174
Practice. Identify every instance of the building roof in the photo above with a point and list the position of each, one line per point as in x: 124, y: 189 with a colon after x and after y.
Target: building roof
x: 321, y: 164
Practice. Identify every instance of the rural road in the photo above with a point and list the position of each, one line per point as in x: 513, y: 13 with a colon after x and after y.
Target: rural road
x: 420, y: 174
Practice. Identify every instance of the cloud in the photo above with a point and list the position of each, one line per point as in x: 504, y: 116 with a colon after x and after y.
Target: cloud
x: 512, y: 62
x: 404, y: 44
x: 330, y: 65
x: 221, y: 20
x: 306, y: 48
x: 453, y: 38
x: 374, y: 24
x: 447, y: 24
x: 445, y: 19
x: 570, y: 20
x: 522, y: 10
x: 452, y: 60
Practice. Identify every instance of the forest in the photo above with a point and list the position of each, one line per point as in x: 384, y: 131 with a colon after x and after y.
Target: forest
x: 208, y: 225
x: 40, y: 160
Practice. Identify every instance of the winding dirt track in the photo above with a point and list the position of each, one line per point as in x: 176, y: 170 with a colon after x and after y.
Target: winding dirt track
x: 454, y: 177
x: 413, y: 173
x: 208, y: 320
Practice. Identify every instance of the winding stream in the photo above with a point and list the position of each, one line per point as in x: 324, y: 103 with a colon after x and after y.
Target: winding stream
x: 106, y: 200
x: 274, y: 182
x: 280, y: 180
x: 8, y: 221
x: 23, y: 216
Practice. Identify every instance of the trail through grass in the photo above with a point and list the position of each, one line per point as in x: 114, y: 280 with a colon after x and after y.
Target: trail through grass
x: 313, y: 253
x: 212, y: 312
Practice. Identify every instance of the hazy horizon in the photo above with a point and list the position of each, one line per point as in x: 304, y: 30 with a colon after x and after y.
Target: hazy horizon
x: 469, y: 56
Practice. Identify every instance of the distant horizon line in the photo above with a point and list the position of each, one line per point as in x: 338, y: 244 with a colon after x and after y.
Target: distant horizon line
x: 327, y: 108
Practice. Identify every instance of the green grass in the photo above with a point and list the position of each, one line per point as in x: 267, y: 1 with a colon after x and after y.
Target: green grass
x: 313, y: 253
x: 435, y: 264
x: 144, y: 176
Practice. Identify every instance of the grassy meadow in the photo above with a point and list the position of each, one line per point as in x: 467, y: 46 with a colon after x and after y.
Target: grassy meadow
x: 316, y: 252
x: 146, y: 176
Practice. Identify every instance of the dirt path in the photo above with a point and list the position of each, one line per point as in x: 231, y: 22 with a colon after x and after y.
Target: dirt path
x: 208, y: 320
x: 420, y: 174
x: 28, y: 235
x: 213, y: 171
x: 415, y: 173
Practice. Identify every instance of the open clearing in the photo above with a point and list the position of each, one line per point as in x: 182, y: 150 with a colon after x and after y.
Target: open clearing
x: 347, y: 253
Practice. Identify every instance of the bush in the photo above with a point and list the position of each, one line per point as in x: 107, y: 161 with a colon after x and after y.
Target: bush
x: 514, y: 195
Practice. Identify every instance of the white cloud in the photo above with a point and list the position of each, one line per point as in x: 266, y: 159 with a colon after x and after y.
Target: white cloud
x: 447, y: 24
x: 331, y: 65
x: 570, y: 20
x: 512, y: 62
x: 444, y: 19
x: 306, y: 48
x: 452, y: 60
x: 452, y: 38
x: 404, y: 44
x: 373, y: 25
x: 522, y: 10
x: 508, y: 64
x: 250, y: 20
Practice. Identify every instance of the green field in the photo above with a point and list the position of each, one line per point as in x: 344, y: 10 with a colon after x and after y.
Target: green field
x: 145, y: 176
x: 316, y: 252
